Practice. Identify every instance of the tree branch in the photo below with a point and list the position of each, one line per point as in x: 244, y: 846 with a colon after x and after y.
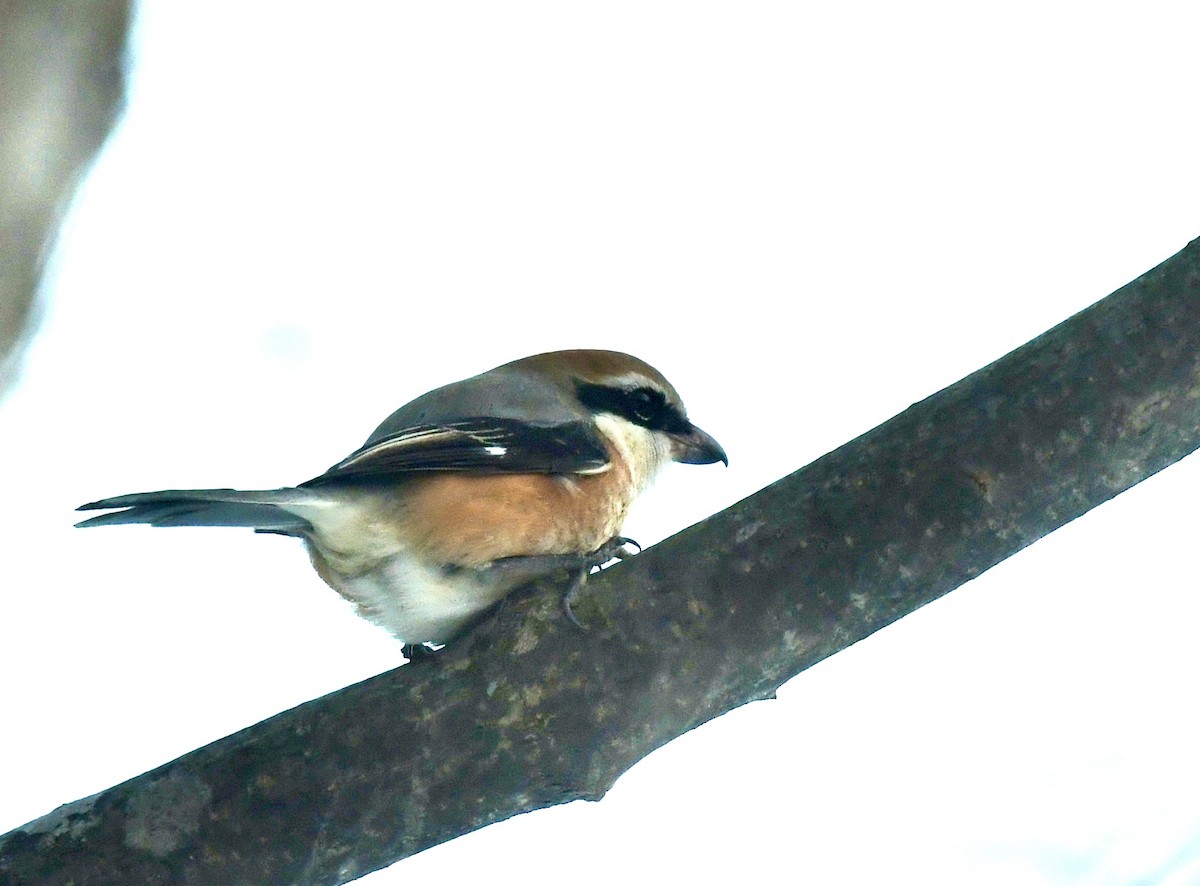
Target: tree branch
x: 528, y: 711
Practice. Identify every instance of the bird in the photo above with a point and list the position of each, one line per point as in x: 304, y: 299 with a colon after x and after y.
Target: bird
x: 468, y: 492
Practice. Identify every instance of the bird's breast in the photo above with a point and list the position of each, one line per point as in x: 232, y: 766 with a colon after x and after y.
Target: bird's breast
x: 414, y: 558
x: 470, y: 520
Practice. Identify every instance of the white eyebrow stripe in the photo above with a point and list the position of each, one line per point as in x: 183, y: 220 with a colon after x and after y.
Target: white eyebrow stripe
x: 632, y: 380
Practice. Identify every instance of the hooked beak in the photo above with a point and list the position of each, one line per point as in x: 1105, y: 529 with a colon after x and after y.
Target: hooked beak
x: 695, y: 447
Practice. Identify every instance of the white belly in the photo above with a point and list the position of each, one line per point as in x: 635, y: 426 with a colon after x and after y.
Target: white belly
x: 419, y: 603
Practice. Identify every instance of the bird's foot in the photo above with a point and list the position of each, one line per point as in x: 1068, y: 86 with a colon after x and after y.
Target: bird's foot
x: 613, y: 549
x: 537, y: 565
x: 415, y: 652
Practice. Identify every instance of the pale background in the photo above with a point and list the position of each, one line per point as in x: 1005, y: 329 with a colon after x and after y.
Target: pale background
x: 808, y: 215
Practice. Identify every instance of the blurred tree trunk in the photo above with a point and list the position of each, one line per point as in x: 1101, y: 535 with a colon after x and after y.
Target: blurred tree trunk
x: 528, y: 711
x: 61, y: 88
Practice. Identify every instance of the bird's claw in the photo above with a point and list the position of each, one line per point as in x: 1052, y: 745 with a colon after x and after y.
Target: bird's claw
x: 620, y: 542
x: 416, y: 651
x: 570, y: 595
x: 613, y: 549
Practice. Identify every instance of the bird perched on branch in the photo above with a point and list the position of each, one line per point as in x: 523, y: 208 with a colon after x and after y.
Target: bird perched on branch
x: 469, y: 491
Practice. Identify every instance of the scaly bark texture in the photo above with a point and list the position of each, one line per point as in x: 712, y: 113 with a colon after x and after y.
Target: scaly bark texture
x: 528, y: 711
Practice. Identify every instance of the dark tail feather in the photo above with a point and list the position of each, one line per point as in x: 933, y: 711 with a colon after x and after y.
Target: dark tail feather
x: 199, y: 507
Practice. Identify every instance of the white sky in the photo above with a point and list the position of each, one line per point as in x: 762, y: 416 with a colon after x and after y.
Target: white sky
x: 808, y: 215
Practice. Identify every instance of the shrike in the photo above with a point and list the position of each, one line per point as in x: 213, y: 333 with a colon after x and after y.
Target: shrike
x: 469, y: 491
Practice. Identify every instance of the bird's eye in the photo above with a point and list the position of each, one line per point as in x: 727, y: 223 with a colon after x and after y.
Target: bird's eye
x: 646, y: 405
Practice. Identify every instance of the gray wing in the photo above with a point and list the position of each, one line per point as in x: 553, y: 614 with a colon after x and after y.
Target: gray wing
x: 486, y: 445
x: 498, y: 422
x: 507, y: 392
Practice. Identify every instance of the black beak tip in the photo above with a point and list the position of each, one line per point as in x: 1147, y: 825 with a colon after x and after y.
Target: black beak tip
x: 697, y: 447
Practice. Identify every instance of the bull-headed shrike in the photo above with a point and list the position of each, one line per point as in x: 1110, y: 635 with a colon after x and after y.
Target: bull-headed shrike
x: 469, y: 491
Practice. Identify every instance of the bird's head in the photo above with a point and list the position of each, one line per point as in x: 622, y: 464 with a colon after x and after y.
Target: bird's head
x: 631, y: 402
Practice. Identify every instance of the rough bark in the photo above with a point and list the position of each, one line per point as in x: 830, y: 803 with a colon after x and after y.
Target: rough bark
x: 529, y: 711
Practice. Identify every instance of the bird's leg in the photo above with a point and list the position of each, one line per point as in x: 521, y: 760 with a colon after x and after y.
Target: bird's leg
x: 613, y: 549
x: 517, y: 572
x: 415, y: 652
x: 580, y: 565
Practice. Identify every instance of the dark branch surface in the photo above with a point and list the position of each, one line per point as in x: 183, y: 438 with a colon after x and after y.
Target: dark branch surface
x: 529, y: 712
